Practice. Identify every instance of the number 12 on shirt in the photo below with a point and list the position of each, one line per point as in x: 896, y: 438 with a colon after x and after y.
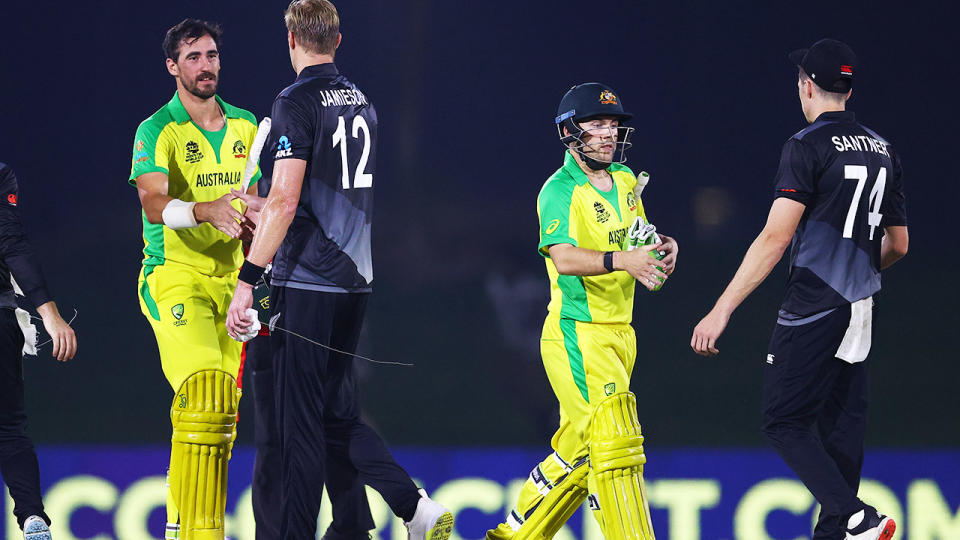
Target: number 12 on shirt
x: 860, y: 174
x: 362, y: 179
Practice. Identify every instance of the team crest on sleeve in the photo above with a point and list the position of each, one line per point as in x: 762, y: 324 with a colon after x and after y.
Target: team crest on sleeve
x: 283, y: 147
x: 194, y: 154
x: 632, y: 201
x: 607, y: 98
x: 602, y: 214
x: 239, y: 149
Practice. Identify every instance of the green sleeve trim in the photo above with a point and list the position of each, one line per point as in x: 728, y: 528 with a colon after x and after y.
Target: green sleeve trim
x: 574, y: 356
x: 574, y: 301
x: 256, y: 176
x: 142, y: 171
x: 145, y: 144
x: 553, y: 205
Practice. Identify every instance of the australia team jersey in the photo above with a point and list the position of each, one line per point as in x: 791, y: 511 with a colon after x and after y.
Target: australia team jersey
x: 849, y: 179
x: 201, y: 166
x: 325, y: 120
x: 572, y: 211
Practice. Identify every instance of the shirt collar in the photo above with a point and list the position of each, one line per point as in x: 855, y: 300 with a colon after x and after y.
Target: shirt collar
x: 328, y: 69
x: 837, y: 116
x: 180, y: 114
x: 573, y: 169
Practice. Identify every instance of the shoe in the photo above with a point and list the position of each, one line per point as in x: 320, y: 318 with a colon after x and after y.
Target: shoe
x: 430, y: 522
x: 35, y: 528
x: 867, y: 524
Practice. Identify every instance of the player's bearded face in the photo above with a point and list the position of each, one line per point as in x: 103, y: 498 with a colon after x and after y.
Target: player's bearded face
x: 199, y: 67
x: 600, y: 138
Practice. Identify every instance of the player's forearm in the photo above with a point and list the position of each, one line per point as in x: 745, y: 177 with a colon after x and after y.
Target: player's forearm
x: 153, y: 205
x: 48, y: 310
x: 575, y: 261
x: 275, y: 219
x: 757, y: 264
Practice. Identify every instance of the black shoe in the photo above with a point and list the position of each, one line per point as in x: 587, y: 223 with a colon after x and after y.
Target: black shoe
x: 867, y: 524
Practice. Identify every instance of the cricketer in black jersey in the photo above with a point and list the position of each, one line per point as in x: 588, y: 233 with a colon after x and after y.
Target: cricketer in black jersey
x: 839, y: 203
x: 850, y: 181
x: 327, y: 121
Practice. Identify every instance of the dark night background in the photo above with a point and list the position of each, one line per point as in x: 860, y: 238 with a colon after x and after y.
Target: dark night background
x: 466, y: 94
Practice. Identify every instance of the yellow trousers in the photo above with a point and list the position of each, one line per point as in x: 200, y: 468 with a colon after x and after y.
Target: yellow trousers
x: 188, y: 313
x: 585, y: 362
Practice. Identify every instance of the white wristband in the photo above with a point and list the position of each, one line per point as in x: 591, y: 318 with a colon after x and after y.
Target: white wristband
x: 179, y: 214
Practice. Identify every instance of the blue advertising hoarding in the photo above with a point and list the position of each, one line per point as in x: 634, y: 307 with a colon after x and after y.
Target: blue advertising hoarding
x: 107, y: 493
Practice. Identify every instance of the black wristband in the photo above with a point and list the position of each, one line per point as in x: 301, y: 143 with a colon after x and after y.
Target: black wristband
x: 250, y: 273
x: 608, y: 261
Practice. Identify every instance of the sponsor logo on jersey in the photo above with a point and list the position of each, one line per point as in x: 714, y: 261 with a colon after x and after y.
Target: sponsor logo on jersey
x: 177, y: 312
x: 283, y: 148
x: 239, y: 149
x: 607, y: 98
x: 632, y: 201
x: 12, y: 199
x: 139, y: 146
x: 552, y: 226
x: 194, y: 154
x: 602, y: 214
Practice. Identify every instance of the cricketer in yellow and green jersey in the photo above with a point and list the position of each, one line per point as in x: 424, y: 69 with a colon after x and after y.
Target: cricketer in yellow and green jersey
x: 572, y: 211
x: 201, y: 166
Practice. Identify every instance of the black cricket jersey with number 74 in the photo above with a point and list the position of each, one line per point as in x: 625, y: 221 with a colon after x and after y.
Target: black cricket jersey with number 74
x: 850, y: 180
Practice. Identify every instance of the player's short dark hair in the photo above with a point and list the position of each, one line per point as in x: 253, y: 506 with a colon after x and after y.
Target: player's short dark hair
x: 315, y: 24
x: 839, y: 97
x: 189, y: 30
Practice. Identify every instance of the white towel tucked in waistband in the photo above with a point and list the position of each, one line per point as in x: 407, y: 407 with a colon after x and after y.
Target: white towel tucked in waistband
x: 856, y: 342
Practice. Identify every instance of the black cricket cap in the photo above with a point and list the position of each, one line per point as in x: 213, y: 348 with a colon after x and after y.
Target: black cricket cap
x: 829, y: 63
x: 590, y: 100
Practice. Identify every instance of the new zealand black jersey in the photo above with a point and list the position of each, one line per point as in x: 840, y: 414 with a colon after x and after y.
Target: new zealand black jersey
x: 327, y: 121
x: 850, y: 180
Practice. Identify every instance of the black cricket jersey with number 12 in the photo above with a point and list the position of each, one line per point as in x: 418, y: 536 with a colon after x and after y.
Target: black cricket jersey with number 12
x: 327, y: 121
x: 850, y: 180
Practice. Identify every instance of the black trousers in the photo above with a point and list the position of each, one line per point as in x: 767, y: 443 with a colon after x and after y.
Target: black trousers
x: 318, y: 410
x: 18, y: 459
x: 815, y: 414
x: 351, y: 510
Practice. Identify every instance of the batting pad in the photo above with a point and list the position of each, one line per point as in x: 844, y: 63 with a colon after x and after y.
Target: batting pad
x: 557, y: 506
x: 616, y: 461
x: 204, y: 416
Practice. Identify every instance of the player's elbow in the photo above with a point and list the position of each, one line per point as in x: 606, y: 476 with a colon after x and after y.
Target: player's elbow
x: 776, y: 240
x: 900, y: 247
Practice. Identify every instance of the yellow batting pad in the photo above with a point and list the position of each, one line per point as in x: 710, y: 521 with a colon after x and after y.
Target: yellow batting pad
x: 557, y: 506
x: 616, y: 461
x: 204, y: 417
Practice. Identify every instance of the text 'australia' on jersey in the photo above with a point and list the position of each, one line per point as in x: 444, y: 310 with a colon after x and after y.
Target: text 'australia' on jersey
x: 325, y: 120
x: 850, y: 180
x: 574, y: 212
x: 201, y: 166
